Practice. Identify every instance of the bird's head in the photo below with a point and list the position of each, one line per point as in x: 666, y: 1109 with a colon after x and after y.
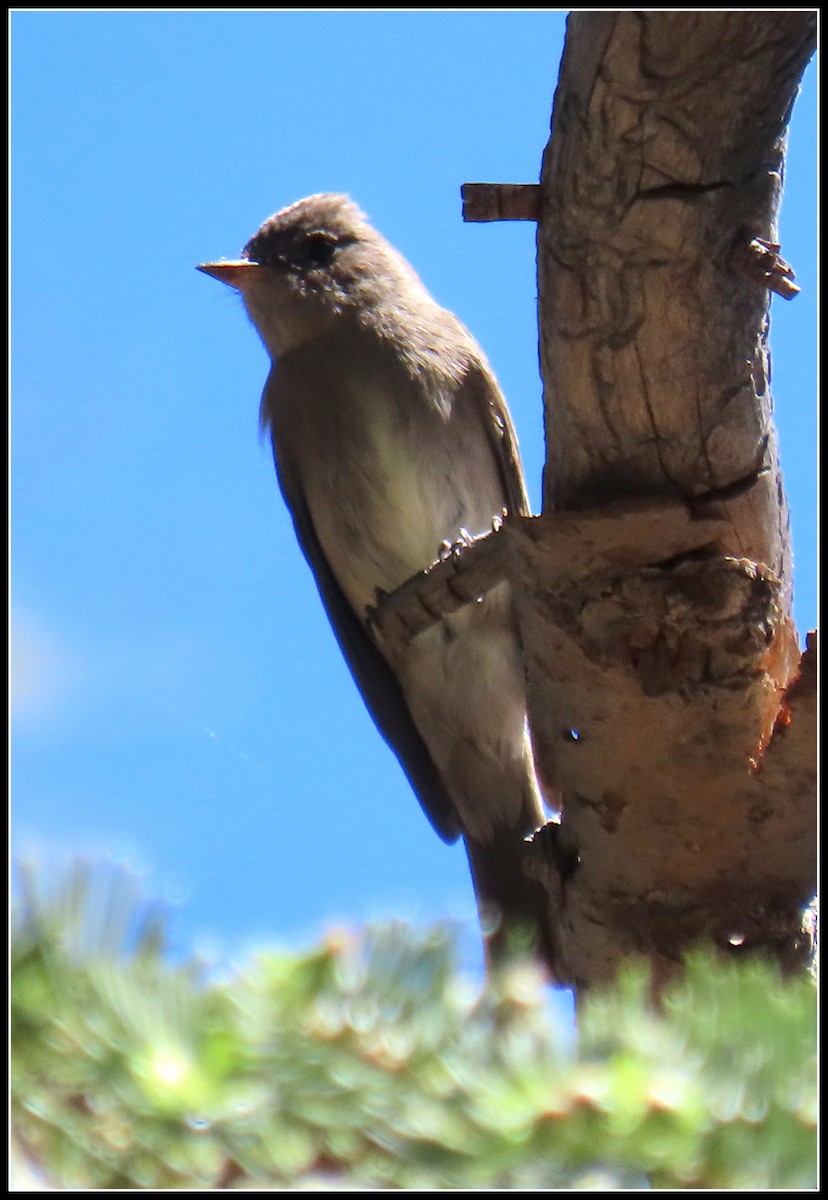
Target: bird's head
x: 311, y: 264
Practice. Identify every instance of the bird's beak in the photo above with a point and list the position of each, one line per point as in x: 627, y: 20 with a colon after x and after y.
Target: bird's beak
x: 232, y: 272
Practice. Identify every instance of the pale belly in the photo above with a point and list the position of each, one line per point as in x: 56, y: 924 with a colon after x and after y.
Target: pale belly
x: 381, y: 525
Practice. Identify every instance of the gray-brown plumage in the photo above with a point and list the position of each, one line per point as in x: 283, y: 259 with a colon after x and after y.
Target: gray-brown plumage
x: 390, y: 436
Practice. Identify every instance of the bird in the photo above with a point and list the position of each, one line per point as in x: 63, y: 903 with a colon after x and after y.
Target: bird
x: 390, y: 438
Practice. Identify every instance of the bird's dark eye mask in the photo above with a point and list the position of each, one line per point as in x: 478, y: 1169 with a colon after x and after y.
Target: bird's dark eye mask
x: 302, y: 252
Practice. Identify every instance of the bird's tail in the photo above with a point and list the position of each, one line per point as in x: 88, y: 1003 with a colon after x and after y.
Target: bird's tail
x: 513, y: 907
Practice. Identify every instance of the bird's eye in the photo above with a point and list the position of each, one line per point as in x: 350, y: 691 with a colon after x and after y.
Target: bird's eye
x: 317, y: 249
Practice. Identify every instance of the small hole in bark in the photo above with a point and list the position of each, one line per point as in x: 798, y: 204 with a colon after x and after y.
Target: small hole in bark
x: 736, y: 939
x: 572, y: 735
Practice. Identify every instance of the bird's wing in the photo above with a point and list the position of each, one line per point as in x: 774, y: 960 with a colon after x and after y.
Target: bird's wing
x: 480, y: 395
x: 376, y: 681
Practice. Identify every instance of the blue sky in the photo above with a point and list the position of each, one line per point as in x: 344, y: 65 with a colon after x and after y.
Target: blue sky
x: 178, y: 698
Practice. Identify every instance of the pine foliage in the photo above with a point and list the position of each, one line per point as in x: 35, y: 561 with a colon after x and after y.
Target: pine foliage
x: 371, y: 1062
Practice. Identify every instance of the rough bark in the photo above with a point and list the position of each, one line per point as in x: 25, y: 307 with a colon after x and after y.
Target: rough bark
x: 660, y: 188
x: 667, y: 697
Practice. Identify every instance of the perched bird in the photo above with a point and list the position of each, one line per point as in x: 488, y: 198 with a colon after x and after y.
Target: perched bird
x: 390, y: 437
